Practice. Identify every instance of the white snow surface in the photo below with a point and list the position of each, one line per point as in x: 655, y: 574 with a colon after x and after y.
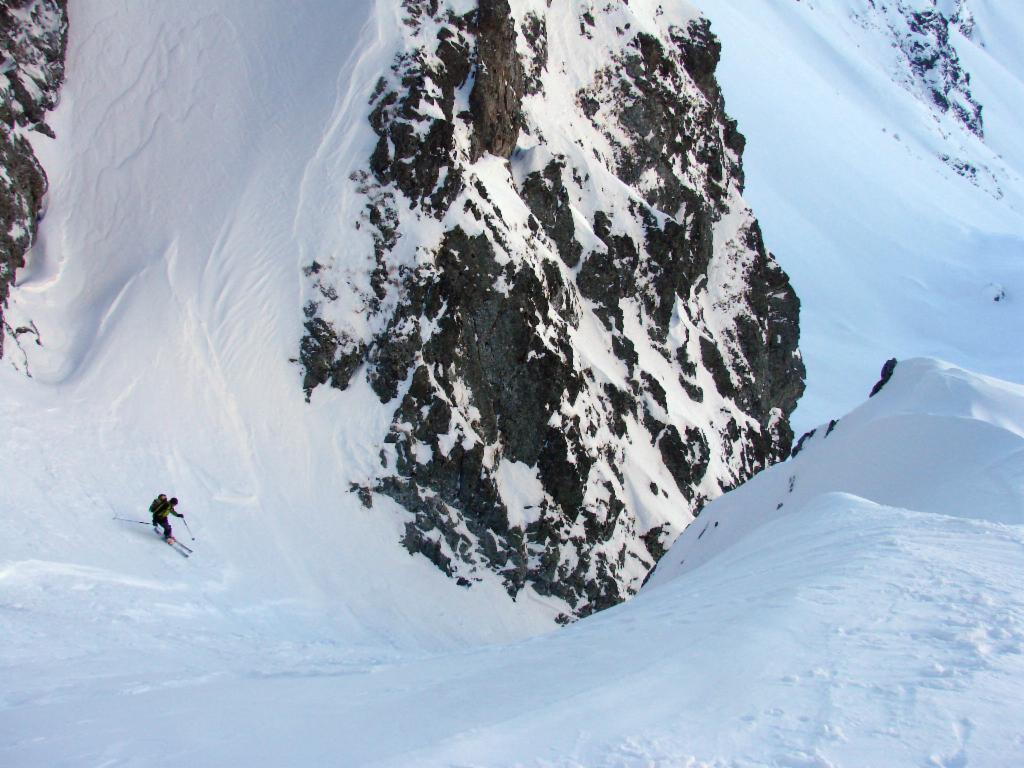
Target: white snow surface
x: 892, y: 253
x: 874, y: 619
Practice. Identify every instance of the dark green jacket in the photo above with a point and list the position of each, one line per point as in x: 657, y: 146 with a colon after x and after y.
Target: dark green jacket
x: 161, y: 509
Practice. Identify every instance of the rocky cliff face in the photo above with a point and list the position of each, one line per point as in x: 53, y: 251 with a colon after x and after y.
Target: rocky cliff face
x: 924, y: 36
x: 33, y: 39
x: 569, y: 306
x: 928, y: 63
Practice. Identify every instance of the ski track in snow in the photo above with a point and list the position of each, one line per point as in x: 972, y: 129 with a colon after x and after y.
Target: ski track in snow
x: 874, y: 618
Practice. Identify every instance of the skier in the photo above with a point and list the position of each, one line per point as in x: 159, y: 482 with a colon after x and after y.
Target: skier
x: 161, y: 508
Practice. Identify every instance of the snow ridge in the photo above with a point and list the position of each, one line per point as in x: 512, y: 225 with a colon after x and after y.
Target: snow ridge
x: 934, y: 439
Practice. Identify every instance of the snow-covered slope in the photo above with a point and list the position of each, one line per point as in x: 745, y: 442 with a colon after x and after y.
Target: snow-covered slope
x: 167, y: 289
x: 169, y: 280
x: 933, y: 439
x: 901, y: 229
x: 860, y: 626
x: 245, y: 205
x: 873, y: 619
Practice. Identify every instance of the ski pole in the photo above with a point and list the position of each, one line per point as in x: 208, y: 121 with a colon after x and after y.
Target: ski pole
x: 126, y: 520
x: 187, y: 528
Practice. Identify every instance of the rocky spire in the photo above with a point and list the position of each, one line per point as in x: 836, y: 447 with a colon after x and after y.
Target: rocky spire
x: 581, y: 345
x: 497, y: 94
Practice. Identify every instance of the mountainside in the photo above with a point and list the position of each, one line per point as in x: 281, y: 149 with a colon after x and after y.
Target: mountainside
x: 885, y: 165
x: 541, y: 288
x: 553, y: 282
x: 286, y: 248
x: 542, y: 268
x: 33, y: 39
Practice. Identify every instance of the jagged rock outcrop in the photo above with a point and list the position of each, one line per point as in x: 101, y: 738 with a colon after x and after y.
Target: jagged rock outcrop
x: 33, y: 41
x: 888, y: 369
x: 571, y: 309
x: 923, y: 37
x: 496, y: 99
x: 930, y: 64
x: 935, y: 62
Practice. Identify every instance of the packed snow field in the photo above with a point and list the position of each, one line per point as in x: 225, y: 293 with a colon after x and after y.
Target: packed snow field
x: 857, y: 605
x: 868, y: 622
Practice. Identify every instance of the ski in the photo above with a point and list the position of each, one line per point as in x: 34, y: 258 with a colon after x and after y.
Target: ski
x: 187, y: 549
x: 174, y: 544
x: 182, y: 552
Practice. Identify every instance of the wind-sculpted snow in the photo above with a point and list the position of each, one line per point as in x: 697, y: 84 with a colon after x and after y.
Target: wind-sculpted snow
x: 562, y: 285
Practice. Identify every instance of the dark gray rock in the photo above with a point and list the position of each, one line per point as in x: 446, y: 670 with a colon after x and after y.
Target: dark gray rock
x: 686, y: 460
x: 326, y: 357
x: 933, y: 68
x: 934, y: 60
x: 476, y: 342
x: 887, y: 371
x: 535, y: 31
x: 497, y: 93
x: 800, y: 443
x: 545, y: 193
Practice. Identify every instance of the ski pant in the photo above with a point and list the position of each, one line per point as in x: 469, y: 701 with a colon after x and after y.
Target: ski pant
x: 165, y: 522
